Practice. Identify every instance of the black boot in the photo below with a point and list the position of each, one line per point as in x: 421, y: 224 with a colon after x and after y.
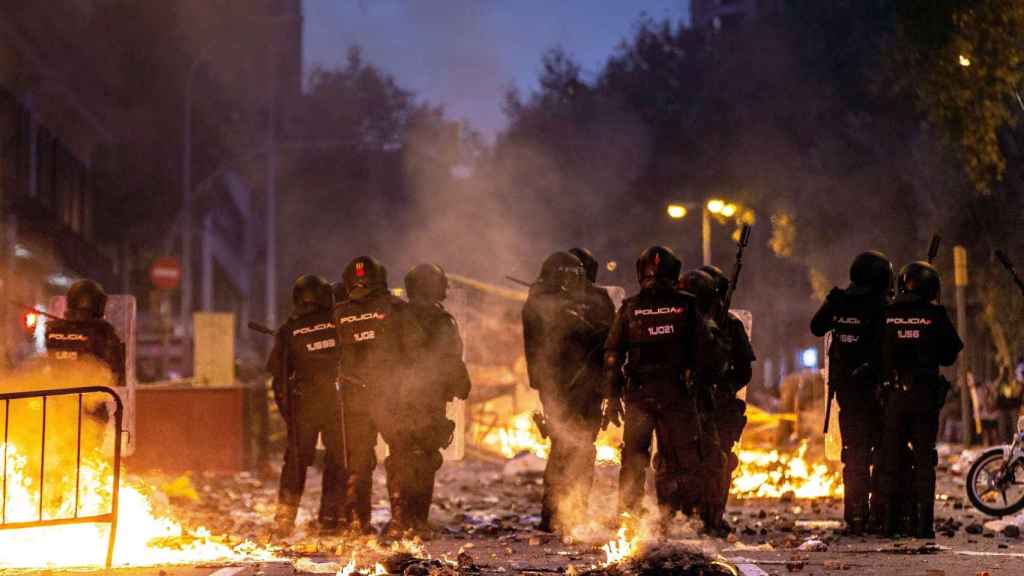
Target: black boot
x: 925, y: 520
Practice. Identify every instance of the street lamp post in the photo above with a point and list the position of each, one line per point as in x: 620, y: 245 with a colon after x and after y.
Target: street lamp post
x: 705, y: 235
x: 713, y: 206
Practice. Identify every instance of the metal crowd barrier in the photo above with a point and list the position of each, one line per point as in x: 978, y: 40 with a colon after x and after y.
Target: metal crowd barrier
x: 108, y: 517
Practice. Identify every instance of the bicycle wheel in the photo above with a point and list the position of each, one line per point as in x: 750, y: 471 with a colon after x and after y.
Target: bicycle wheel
x: 992, y: 487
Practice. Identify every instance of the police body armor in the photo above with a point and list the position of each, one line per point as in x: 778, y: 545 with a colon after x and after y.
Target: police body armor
x: 313, y: 353
x: 658, y: 326
x: 378, y: 342
x: 854, y: 321
x: 76, y: 340
x: 915, y: 343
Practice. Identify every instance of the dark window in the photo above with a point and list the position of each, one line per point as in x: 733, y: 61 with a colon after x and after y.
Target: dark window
x: 8, y: 139
x: 46, y: 167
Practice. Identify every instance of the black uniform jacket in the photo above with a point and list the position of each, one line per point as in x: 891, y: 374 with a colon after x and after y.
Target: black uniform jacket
x: 555, y: 335
x: 379, y: 342
x: 443, y: 373
x: 305, y: 357
x: 854, y: 320
x: 916, y: 338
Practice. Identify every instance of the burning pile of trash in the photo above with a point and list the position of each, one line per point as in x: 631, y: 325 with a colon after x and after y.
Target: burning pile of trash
x: 636, y: 552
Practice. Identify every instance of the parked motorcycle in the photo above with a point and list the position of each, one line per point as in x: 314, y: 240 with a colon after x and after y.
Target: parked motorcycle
x: 995, y: 482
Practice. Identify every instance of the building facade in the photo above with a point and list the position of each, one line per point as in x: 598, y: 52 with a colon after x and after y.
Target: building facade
x: 51, y: 137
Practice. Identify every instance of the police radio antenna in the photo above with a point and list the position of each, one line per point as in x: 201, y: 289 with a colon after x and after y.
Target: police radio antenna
x: 1005, y: 261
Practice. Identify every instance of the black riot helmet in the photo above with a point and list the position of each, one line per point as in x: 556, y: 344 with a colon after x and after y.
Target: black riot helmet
x: 702, y: 286
x: 589, y: 262
x: 657, y: 263
x: 922, y: 279
x: 870, y: 273
x: 86, y: 300
x: 721, y: 280
x: 426, y: 283
x: 364, y: 275
x: 561, y: 270
x: 311, y: 293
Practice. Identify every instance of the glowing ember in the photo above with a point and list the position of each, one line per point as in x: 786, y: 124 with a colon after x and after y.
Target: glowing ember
x: 622, y: 547
x: 771, y: 474
x: 350, y: 569
x: 143, y: 538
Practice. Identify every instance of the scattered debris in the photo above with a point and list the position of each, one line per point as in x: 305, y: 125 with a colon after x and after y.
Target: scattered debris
x: 813, y: 545
x: 526, y: 463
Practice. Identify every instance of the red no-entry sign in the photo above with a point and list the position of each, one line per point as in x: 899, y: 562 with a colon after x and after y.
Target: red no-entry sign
x: 165, y: 273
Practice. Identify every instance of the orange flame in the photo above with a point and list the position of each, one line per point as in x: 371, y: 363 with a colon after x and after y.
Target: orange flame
x: 764, y: 473
x: 143, y: 537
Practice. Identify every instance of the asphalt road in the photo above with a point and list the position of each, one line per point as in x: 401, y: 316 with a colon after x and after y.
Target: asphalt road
x: 487, y: 515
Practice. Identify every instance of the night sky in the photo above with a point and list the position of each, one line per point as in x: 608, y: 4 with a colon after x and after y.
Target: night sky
x: 466, y: 53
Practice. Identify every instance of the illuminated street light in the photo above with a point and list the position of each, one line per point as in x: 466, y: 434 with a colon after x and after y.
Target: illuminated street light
x: 728, y: 210
x: 676, y: 211
x: 715, y: 206
x: 965, y: 61
x: 611, y: 265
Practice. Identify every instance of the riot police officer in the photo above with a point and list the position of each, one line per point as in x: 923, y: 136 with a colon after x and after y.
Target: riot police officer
x: 730, y: 411
x: 377, y: 338
x: 304, y: 363
x: 662, y: 342
x: 441, y: 376
x: 555, y: 332
x: 83, y: 333
x: 587, y: 386
x: 916, y: 338
x: 853, y: 316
